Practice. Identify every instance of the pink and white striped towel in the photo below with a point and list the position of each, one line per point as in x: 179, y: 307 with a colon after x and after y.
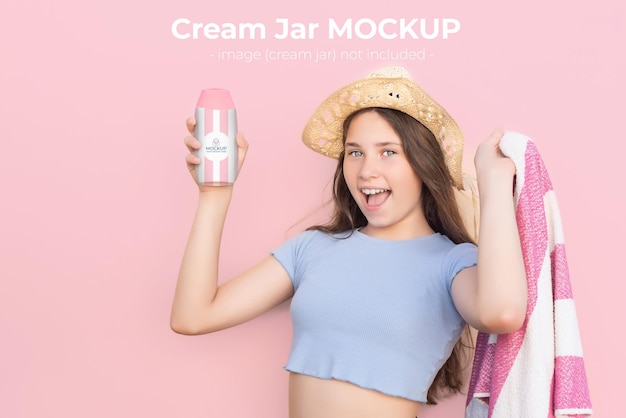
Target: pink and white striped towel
x: 538, y: 370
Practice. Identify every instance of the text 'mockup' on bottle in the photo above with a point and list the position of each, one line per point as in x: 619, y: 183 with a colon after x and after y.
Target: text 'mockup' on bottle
x: 216, y: 129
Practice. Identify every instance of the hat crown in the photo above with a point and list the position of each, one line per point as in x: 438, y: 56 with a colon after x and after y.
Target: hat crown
x: 390, y: 72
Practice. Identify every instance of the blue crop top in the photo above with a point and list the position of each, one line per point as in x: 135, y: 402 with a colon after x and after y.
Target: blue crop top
x: 375, y: 313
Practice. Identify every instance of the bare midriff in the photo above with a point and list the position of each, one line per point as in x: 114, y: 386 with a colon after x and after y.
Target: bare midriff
x: 311, y: 397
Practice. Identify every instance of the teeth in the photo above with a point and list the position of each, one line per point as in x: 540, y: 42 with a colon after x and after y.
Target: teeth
x: 373, y: 191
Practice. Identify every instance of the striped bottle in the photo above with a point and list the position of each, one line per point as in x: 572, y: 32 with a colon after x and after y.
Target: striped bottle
x: 216, y: 129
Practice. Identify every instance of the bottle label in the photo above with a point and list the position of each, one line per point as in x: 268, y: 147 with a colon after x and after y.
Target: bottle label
x: 216, y: 146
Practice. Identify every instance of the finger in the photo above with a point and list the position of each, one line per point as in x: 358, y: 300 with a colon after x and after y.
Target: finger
x: 191, y: 124
x: 192, y: 143
x: 192, y: 159
x: 496, y: 136
x: 242, y: 145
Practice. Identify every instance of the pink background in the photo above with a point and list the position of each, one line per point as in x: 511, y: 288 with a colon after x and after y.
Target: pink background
x: 97, y: 204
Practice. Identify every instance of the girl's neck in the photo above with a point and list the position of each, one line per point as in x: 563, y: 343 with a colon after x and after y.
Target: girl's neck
x: 397, y: 232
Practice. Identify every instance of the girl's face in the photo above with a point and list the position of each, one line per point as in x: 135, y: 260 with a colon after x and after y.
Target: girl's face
x: 382, y: 181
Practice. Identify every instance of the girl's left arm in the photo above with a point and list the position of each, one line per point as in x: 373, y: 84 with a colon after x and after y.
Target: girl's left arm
x: 492, y: 296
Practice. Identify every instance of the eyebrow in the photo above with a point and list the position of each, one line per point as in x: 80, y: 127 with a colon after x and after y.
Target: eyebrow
x: 378, y: 144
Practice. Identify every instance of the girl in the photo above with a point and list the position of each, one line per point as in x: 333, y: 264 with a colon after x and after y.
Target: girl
x: 382, y: 293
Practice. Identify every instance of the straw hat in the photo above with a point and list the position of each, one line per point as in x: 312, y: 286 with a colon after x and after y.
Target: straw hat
x: 391, y: 88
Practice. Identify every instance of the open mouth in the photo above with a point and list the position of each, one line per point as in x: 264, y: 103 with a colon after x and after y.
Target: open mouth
x: 376, y: 197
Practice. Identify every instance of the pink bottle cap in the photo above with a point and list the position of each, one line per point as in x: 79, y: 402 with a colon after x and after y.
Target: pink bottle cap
x: 215, y: 99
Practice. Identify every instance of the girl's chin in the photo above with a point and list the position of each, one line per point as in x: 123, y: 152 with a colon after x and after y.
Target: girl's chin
x: 377, y: 225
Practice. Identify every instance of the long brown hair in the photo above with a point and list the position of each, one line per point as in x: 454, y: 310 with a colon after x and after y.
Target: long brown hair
x: 438, y: 204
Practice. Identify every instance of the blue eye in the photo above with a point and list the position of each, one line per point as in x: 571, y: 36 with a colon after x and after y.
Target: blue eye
x: 388, y: 153
x: 355, y: 153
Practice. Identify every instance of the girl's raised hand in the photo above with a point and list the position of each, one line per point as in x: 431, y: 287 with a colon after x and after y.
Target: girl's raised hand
x: 490, y: 160
x: 194, y: 144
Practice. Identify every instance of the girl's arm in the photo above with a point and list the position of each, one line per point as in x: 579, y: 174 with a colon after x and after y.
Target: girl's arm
x: 492, y: 296
x: 199, y: 305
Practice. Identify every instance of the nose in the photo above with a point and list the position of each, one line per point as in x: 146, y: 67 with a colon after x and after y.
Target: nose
x: 370, y: 167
